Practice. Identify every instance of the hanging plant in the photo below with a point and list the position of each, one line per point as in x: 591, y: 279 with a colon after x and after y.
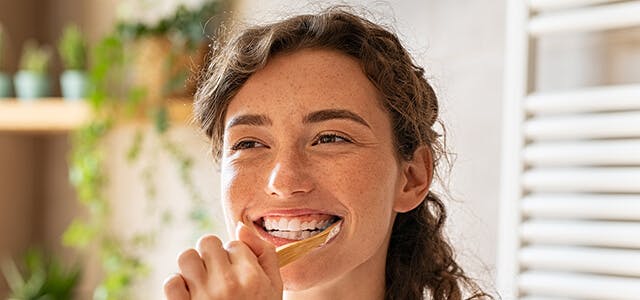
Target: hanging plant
x: 114, y: 99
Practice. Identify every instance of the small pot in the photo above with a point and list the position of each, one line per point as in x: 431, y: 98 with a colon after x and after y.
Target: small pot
x: 74, y: 85
x: 5, y: 85
x: 31, y: 85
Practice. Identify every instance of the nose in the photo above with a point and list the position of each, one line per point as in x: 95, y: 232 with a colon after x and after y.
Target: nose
x: 289, y: 176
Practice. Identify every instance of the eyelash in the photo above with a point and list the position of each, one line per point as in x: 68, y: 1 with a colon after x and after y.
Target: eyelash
x: 243, y: 145
x: 332, y: 136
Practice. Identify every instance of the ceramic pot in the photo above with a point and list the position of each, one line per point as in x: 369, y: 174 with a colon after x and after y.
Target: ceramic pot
x: 74, y: 85
x: 31, y: 85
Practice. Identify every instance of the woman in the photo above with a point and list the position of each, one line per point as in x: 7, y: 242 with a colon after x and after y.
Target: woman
x: 318, y: 119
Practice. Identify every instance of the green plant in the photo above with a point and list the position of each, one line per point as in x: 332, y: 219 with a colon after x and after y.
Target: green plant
x: 42, y: 278
x: 185, y: 25
x: 72, y: 48
x: 35, y: 58
x: 111, y: 96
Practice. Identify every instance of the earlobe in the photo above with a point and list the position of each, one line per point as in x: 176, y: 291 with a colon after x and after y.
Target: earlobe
x: 418, y: 174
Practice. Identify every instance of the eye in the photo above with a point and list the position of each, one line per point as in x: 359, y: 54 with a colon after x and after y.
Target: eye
x: 330, y: 138
x: 247, y: 144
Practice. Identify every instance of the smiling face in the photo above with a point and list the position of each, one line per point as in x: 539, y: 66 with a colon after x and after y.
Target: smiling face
x: 306, y: 143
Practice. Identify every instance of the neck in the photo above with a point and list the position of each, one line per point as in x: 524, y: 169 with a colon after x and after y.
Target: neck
x: 366, y: 281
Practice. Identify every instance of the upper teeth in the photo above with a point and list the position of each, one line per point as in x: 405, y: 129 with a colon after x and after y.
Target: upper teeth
x: 294, y: 224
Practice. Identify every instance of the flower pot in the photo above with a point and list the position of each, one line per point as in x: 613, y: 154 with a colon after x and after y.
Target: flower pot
x: 30, y: 85
x: 5, y: 85
x: 74, y: 85
x: 165, y: 70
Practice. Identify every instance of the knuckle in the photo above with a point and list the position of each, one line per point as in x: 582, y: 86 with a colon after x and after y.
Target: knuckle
x: 229, y: 285
x: 233, y: 245
x: 251, y: 277
x: 209, y: 241
x: 187, y: 256
x: 172, y: 282
x: 174, y: 287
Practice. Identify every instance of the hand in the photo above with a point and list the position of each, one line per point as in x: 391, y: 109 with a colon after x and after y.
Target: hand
x: 243, y: 269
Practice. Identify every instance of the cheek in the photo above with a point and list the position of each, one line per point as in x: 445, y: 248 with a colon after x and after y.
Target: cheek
x: 366, y: 185
x: 235, y: 189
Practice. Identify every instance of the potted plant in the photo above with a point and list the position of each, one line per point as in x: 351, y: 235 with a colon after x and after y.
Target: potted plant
x: 5, y: 80
x: 40, y: 277
x: 32, y: 80
x: 73, y: 52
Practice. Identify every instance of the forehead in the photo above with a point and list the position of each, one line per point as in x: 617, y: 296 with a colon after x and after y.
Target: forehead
x: 306, y: 80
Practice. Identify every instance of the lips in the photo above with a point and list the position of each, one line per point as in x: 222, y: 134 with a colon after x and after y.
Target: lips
x: 283, y: 227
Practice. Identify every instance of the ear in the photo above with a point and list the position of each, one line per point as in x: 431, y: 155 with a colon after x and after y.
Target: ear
x: 417, y: 175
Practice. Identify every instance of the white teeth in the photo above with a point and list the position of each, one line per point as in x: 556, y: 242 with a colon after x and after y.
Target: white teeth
x: 283, y: 223
x: 294, y: 225
x: 294, y: 228
x: 293, y: 235
x: 313, y: 224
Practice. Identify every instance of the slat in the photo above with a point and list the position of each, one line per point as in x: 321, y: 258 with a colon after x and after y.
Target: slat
x: 602, y: 180
x: 585, y: 153
x: 540, y: 5
x: 582, y: 206
x: 618, y: 262
x: 579, y: 285
x: 582, y: 233
x: 545, y: 298
x: 593, y: 99
x: 584, y: 126
x: 602, y: 17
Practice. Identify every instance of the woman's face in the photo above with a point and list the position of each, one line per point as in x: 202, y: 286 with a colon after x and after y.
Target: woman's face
x: 307, y: 143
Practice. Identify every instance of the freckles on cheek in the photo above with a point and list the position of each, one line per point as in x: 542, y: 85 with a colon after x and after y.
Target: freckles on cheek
x: 237, y: 187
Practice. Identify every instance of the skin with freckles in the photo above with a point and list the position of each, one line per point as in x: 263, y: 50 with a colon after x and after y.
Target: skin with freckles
x: 308, y: 133
x: 338, y: 165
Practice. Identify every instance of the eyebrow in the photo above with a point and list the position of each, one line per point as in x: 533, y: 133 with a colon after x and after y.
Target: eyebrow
x: 314, y: 117
x: 251, y: 120
x: 330, y: 114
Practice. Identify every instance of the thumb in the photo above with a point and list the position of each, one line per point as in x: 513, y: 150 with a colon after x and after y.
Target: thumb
x: 264, y: 251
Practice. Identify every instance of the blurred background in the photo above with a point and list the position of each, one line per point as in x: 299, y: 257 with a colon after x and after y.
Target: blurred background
x: 104, y: 179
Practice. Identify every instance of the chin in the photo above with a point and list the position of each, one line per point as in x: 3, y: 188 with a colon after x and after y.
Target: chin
x: 303, y: 275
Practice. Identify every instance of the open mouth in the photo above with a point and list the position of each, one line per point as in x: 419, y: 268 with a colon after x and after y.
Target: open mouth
x: 281, y: 229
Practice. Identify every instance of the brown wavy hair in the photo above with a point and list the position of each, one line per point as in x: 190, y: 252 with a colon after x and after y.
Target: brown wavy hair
x: 420, y: 260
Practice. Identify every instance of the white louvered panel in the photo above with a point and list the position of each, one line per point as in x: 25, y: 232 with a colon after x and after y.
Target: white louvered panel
x: 571, y: 166
x: 582, y: 233
x: 582, y: 206
x: 556, y: 4
x: 585, y: 153
x: 584, y: 126
x: 546, y: 298
x: 602, y: 17
x: 599, y: 180
x: 592, y: 99
x: 579, y: 285
x: 618, y: 262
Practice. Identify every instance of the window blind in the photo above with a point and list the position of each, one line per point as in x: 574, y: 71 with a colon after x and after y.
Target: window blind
x: 570, y: 200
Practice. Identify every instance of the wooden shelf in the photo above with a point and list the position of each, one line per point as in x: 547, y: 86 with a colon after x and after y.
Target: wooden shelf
x: 56, y: 115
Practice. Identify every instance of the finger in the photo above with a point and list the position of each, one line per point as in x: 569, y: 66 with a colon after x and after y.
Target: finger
x: 175, y: 288
x: 241, y: 254
x: 264, y: 251
x: 192, y: 268
x: 215, y: 257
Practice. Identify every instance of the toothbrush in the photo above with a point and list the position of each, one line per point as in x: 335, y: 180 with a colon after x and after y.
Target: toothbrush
x: 290, y: 252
